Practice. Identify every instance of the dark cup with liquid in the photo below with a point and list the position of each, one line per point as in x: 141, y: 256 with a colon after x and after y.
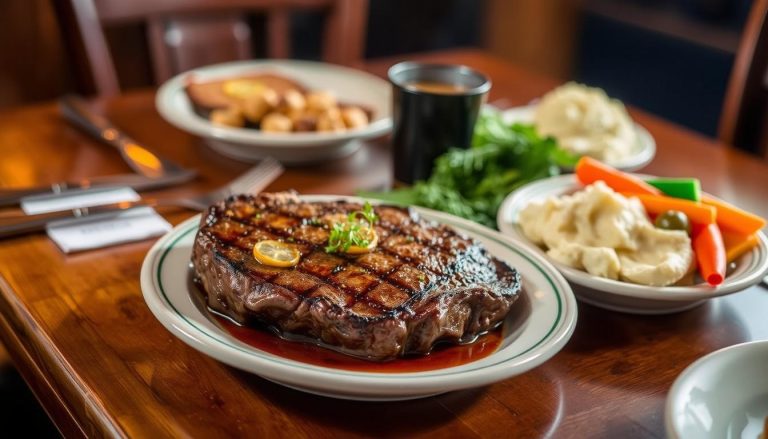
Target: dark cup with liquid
x: 435, y: 108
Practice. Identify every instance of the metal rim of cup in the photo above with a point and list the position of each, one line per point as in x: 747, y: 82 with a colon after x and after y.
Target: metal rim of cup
x: 397, y: 76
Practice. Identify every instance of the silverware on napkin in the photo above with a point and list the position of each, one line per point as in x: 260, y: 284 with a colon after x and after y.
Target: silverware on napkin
x: 252, y: 181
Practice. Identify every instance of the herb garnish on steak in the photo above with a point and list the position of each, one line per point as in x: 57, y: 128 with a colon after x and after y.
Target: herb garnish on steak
x: 424, y: 283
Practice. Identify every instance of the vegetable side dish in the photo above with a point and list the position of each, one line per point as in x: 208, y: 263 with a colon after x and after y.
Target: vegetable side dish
x: 472, y: 183
x: 585, y: 121
x: 646, y: 232
x: 273, y: 104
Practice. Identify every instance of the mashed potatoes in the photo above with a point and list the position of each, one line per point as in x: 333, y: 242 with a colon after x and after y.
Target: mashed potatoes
x: 607, y: 235
x: 586, y: 121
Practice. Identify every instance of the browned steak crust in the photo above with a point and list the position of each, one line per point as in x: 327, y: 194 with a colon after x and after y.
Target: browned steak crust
x: 424, y: 283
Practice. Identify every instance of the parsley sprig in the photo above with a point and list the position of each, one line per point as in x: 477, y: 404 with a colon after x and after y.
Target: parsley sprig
x: 472, y: 183
x: 356, y: 230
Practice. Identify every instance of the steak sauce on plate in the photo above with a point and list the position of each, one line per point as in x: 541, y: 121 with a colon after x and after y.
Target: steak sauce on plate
x: 310, y: 351
x: 442, y: 356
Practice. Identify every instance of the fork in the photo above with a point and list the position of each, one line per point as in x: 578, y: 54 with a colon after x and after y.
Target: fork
x: 254, y: 180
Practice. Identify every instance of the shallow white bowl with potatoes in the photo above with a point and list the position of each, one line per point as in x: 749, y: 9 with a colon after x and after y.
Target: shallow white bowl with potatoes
x: 349, y: 86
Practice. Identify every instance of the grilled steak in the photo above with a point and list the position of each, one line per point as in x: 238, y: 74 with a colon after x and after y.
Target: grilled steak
x: 424, y: 283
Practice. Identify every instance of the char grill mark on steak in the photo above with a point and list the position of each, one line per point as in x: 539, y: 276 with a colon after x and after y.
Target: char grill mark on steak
x: 398, y: 250
x: 345, y: 274
x: 415, y: 270
x: 402, y: 249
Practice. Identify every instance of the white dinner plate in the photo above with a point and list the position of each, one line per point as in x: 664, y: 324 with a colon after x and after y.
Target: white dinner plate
x: 642, y: 153
x: 722, y: 395
x: 349, y: 85
x: 624, y: 296
x: 549, y: 321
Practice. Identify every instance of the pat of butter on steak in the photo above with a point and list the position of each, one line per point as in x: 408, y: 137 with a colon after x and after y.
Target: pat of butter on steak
x: 424, y: 283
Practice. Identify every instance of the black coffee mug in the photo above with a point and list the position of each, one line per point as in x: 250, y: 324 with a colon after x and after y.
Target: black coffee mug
x: 435, y: 108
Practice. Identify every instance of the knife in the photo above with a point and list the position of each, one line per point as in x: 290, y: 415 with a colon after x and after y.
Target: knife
x: 155, y: 171
x: 12, y: 197
x: 138, y: 157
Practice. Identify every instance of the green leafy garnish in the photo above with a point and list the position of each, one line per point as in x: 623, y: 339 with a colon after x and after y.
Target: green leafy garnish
x: 472, y: 183
x: 356, y: 230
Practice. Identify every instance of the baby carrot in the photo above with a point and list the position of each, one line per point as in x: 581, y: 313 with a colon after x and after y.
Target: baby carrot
x: 710, y: 254
x: 732, y: 218
x: 589, y: 170
x: 697, y: 213
x: 737, y: 244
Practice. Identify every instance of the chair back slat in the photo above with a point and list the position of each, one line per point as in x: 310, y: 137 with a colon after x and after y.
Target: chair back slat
x: 278, y: 34
x: 745, y: 107
x: 184, y: 34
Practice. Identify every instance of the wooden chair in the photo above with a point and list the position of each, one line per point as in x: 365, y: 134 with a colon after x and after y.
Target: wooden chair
x: 183, y: 34
x: 744, y: 119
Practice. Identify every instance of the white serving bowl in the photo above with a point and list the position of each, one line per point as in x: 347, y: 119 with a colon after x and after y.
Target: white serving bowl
x: 624, y: 296
x: 642, y: 153
x: 722, y: 395
x: 350, y: 86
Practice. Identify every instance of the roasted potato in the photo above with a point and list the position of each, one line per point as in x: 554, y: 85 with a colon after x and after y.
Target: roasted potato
x: 276, y: 123
x: 292, y: 101
x: 319, y: 101
x: 257, y: 104
x: 330, y: 120
x: 354, y: 117
x: 304, y: 121
x: 231, y: 116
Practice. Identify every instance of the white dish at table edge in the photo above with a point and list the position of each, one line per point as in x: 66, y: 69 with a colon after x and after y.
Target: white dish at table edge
x: 723, y: 394
x: 644, y: 151
x: 624, y: 296
x: 350, y: 86
x: 550, y: 323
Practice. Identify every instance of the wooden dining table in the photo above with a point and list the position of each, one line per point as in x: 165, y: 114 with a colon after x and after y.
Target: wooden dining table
x: 100, y: 364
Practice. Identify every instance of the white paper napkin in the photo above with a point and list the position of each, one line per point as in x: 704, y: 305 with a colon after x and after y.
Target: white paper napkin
x: 78, y: 234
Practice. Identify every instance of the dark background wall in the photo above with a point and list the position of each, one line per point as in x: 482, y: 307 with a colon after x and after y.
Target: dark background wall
x: 670, y: 57
x: 402, y: 26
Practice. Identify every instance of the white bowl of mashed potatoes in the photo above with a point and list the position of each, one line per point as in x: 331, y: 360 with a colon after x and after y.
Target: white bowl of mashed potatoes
x: 586, y: 121
x: 610, y: 252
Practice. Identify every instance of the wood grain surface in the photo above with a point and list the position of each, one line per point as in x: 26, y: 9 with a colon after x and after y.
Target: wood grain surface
x: 101, y: 365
